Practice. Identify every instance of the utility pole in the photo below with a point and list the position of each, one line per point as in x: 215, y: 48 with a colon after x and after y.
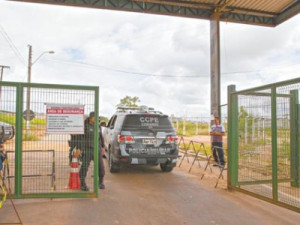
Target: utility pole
x: 2, y: 68
x: 1, y: 78
x: 30, y: 64
x: 28, y: 90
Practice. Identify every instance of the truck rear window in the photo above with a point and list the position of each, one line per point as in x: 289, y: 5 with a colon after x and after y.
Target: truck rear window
x: 147, y: 121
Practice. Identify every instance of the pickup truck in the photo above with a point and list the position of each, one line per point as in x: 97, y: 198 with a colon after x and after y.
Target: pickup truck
x: 7, y: 131
x: 140, y: 136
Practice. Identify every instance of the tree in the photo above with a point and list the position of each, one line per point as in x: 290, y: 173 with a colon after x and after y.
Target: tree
x: 129, y: 101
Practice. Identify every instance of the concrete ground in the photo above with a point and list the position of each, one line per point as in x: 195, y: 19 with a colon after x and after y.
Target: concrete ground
x: 146, y: 196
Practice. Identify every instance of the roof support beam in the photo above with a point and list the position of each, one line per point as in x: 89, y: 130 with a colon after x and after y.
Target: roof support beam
x: 184, y: 8
x: 215, y: 74
x: 288, y: 13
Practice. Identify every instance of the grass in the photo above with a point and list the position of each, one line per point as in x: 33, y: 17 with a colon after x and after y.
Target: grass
x: 190, y: 128
x: 197, y: 147
x: 30, y: 137
x: 11, y: 119
x: 8, y: 118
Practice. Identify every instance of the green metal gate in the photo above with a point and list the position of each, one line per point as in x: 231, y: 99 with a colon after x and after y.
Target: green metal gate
x: 263, y: 142
x: 38, y: 158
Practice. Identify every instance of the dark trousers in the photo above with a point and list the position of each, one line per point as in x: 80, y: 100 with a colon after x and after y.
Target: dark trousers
x: 218, y: 153
x: 87, y: 157
x: 101, y: 171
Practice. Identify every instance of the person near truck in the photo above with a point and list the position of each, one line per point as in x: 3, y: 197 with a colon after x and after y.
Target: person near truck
x: 217, y: 132
x: 85, y: 148
x: 2, y: 154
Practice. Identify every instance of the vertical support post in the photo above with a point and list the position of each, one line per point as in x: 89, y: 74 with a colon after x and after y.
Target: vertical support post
x: 253, y: 130
x: 215, y: 95
x: 18, y: 142
x: 96, y: 142
x: 183, y: 128
x: 274, y: 143
x: 220, y: 114
x: 28, y: 91
x: 263, y: 129
x: 294, y: 138
x: 246, y: 130
x: 233, y: 139
x: 258, y: 129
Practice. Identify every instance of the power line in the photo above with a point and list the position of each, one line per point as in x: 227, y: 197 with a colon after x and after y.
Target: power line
x: 121, y: 70
x: 12, y: 45
x: 101, y: 67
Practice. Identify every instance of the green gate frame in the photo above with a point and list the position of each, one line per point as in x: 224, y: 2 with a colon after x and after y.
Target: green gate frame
x: 18, y: 139
x: 233, y: 139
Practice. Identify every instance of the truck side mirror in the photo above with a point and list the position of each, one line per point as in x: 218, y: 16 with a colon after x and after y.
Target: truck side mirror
x: 103, y: 124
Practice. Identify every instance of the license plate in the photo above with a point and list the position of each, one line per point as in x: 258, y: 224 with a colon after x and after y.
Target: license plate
x: 134, y: 161
x: 149, y: 141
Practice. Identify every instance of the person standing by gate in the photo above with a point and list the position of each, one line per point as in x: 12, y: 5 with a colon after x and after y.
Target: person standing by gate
x: 86, y: 149
x: 217, y: 132
x: 2, y: 154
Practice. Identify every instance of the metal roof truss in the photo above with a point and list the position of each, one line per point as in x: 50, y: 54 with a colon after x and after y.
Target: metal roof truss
x: 257, y: 12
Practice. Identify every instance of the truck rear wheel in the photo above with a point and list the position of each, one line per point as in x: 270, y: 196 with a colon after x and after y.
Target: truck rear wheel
x: 166, y: 167
x: 113, y: 167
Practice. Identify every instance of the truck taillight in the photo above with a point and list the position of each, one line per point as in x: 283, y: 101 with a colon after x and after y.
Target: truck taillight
x: 129, y: 138
x: 173, y: 139
x: 121, y: 138
x: 125, y: 139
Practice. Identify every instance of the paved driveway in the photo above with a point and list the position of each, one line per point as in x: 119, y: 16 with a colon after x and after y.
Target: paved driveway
x: 146, y: 196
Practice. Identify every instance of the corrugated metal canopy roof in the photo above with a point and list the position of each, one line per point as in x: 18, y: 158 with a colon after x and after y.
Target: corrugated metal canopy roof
x: 258, y: 12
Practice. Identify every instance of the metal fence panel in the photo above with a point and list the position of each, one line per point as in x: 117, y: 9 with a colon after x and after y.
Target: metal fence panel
x: 267, y: 148
x: 38, y: 160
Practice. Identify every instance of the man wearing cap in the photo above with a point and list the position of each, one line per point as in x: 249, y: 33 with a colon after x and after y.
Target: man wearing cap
x: 217, y: 132
x: 2, y: 154
x: 86, y: 147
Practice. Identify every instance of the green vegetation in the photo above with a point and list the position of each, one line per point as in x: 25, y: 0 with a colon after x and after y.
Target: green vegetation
x: 8, y: 118
x: 190, y: 128
x: 37, y: 122
x: 30, y: 137
x: 197, y: 147
x: 11, y: 119
x: 284, y: 149
x: 35, y: 125
x: 129, y: 102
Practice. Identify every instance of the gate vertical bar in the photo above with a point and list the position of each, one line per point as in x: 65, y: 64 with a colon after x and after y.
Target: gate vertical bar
x: 96, y: 138
x: 274, y: 142
x: 232, y: 137
x: 297, y: 154
x: 18, y: 142
x: 294, y: 135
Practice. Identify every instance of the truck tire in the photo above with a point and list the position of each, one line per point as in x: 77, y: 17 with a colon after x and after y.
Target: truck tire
x: 166, y: 167
x: 113, y: 167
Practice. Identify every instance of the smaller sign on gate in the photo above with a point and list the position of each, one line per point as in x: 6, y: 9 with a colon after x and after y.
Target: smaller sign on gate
x: 28, y: 115
x: 65, y: 119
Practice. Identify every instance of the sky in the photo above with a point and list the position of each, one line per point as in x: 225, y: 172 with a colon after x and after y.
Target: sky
x: 163, y: 60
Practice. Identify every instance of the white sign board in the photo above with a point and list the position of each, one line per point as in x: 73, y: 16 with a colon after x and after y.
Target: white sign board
x: 65, y: 119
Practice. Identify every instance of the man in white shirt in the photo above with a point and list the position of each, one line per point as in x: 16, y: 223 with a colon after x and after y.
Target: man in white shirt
x: 217, y: 132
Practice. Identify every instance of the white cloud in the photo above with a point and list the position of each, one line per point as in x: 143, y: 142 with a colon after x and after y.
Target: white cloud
x: 104, y: 42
